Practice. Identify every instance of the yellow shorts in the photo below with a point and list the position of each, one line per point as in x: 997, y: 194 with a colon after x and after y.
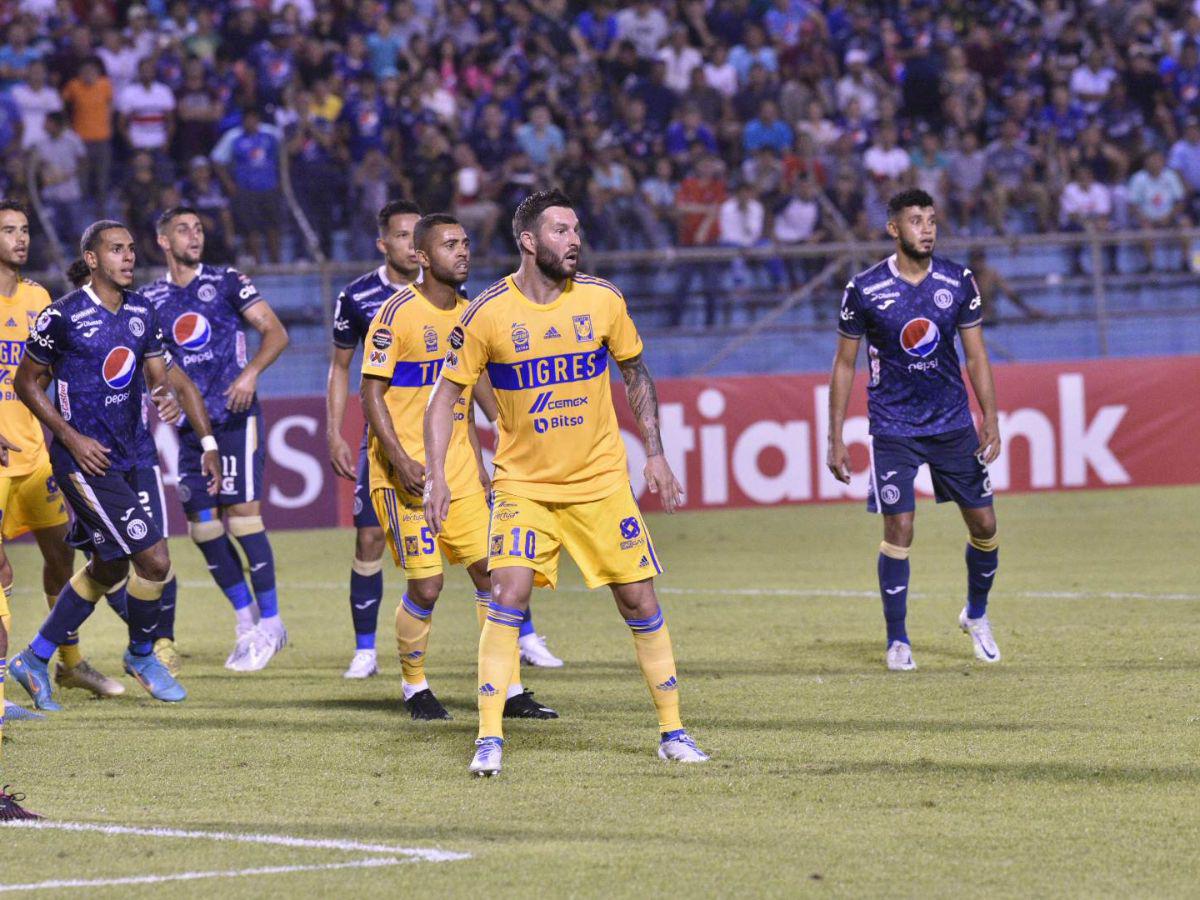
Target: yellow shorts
x: 30, y: 502
x: 415, y: 549
x: 607, y: 538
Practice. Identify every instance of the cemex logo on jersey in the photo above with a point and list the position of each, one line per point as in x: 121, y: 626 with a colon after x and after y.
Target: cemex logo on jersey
x: 191, y: 331
x: 920, y: 337
x: 118, y: 368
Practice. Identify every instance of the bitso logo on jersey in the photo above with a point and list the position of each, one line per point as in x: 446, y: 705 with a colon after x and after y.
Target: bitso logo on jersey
x: 118, y: 368
x: 191, y: 331
x: 919, y: 337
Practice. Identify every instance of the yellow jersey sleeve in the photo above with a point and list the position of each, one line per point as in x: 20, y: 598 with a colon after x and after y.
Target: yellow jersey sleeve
x: 381, y: 348
x: 17, y: 423
x: 623, y: 339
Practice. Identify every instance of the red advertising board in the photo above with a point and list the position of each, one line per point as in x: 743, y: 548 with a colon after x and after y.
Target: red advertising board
x: 760, y: 440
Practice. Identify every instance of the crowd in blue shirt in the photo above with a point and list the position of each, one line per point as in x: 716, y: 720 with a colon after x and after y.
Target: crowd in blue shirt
x: 651, y: 114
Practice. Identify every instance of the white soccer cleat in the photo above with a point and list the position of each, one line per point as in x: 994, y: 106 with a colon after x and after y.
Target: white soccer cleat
x: 364, y: 665
x: 681, y: 748
x: 266, y: 639
x: 236, y: 662
x: 487, y: 757
x: 899, y: 657
x: 534, y: 652
x: 980, y: 631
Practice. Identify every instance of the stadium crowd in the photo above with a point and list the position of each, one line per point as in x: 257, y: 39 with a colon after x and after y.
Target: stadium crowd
x: 690, y: 122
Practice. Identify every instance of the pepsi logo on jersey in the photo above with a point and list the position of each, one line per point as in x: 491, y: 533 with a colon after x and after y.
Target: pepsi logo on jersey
x: 920, y: 337
x: 191, y: 331
x: 118, y: 368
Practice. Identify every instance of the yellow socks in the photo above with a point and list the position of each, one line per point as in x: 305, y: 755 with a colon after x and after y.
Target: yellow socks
x: 412, y: 638
x: 498, y: 655
x: 656, y: 659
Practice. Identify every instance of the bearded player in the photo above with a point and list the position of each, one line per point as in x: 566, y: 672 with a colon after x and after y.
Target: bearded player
x: 909, y: 307
x: 545, y: 335
x: 404, y: 352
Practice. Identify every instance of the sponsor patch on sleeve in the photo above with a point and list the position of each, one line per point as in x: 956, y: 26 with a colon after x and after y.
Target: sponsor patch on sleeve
x: 457, y: 337
x: 382, y: 339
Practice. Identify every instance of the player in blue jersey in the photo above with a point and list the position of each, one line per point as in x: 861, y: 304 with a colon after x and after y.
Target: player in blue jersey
x: 203, y: 310
x: 909, y: 308
x: 97, y: 343
x: 357, y: 305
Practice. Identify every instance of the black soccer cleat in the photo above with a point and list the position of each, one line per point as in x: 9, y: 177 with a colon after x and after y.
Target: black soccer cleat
x: 11, y: 809
x: 424, y: 706
x: 523, y: 706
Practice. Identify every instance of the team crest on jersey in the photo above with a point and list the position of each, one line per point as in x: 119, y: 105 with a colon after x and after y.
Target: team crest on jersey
x: 119, y: 367
x: 136, y: 529
x: 497, y: 545
x: 890, y: 494
x: 583, y: 328
x: 431, y: 339
x: 919, y: 337
x: 191, y: 331
x: 520, y: 337
x: 137, y: 327
x: 410, y: 545
x: 207, y: 293
x: 943, y: 299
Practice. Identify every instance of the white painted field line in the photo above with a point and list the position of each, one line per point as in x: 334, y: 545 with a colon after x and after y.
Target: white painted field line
x: 279, y: 840
x: 372, y: 863
x: 798, y: 593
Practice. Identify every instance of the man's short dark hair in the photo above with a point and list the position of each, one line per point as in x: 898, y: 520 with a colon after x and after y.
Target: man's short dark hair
x: 532, y: 207
x: 396, y: 208
x: 905, y: 199
x: 426, y: 224
x: 92, y: 234
x: 14, y: 206
x: 170, y: 215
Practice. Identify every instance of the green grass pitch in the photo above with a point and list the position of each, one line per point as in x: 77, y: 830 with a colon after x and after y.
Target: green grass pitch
x: 1069, y: 769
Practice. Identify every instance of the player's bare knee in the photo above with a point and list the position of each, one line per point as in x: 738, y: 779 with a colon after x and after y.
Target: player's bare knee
x: 154, y: 563
x: 511, y: 594
x: 898, y: 530
x: 425, y: 591
x: 107, y: 572
x: 6, y: 569
x: 479, y: 575
x: 368, y: 544
x: 981, y: 523
x: 638, y: 600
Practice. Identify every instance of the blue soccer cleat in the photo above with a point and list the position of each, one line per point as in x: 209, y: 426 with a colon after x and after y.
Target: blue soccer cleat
x: 14, y: 713
x: 154, y: 677
x: 33, y: 675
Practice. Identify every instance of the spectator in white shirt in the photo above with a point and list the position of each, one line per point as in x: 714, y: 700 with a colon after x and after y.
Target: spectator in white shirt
x: 884, y: 160
x: 798, y: 222
x: 861, y: 83
x: 120, y: 60
x: 680, y: 59
x: 644, y: 25
x: 60, y: 156
x: 742, y: 218
x: 1085, y: 204
x: 147, y: 112
x: 35, y: 99
x: 1091, y: 81
x: 720, y: 73
x: 1156, y: 199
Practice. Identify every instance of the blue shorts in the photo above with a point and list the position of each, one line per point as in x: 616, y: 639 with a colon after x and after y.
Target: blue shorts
x: 958, y: 474
x: 240, y: 443
x: 364, y: 509
x: 118, y: 514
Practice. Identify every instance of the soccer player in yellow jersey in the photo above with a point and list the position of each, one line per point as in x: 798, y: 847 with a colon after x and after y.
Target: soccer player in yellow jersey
x: 403, y: 353
x: 545, y: 335
x: 29, y: 496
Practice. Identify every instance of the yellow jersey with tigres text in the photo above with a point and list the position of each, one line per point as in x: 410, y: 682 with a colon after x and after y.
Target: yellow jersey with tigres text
x: 18, y: 314
x: 406, y: 344
x: 549, y: 367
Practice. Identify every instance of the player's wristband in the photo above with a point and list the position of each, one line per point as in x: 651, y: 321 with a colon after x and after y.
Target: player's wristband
x: 208, y: 442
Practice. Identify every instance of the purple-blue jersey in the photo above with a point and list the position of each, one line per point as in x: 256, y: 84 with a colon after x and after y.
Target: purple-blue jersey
x: 356, y: 307
x: 96, y: 359
x: 915, y: 385
x: 203, y: 330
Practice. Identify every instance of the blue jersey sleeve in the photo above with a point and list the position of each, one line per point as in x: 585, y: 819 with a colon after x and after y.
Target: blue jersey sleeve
x: 240, y: 291
x: 47, y: 340
x: 344, y: 335
x: 970, y: 311
x: 850, y: 320
x: 153, y: 345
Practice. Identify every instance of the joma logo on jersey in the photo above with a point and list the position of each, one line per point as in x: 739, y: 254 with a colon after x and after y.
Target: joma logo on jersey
x: 545, y: 401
